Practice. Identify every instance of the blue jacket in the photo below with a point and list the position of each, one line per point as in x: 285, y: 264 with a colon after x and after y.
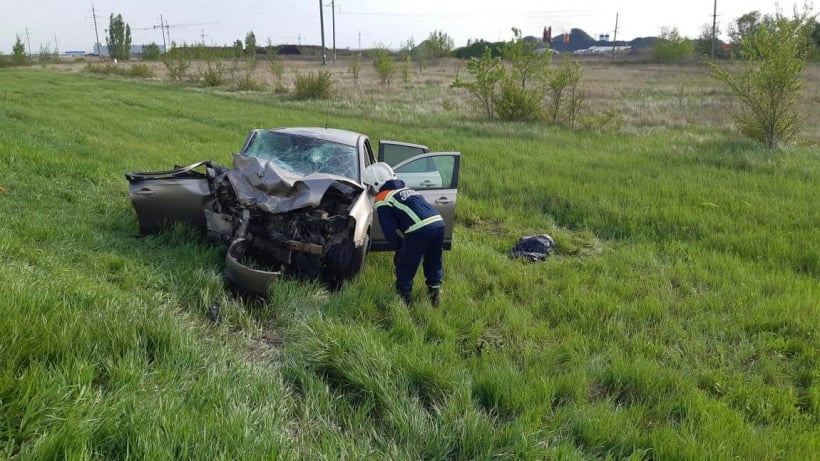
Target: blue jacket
x: 401, y: 208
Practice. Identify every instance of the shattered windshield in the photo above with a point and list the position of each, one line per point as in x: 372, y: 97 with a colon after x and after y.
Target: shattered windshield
x: 304, y: 155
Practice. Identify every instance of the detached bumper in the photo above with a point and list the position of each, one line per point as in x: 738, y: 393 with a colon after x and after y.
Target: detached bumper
x: 245, y: 278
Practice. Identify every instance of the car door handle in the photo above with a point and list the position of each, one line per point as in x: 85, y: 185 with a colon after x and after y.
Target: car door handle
x: 145, y: 191
x: 443, y: 201
x: 426, y: 183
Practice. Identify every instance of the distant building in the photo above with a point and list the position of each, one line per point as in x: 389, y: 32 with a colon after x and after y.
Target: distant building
x: 136, y: 51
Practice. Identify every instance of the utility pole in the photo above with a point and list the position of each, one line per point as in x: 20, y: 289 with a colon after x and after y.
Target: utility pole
x: 202, y: 34
x: 56, y: 46
x: 96, y: 32
x: 300, y: 39
x: 615, y: 36
x: 333, y: 6
x: 162, y: 29
x: 714, y: 30
x: 360, y: 40
x: 28, y: 40
x: 322, y: 25
x: 167, y: 30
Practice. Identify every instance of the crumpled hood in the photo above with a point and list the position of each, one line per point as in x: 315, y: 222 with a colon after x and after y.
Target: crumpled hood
x: 262, y: 184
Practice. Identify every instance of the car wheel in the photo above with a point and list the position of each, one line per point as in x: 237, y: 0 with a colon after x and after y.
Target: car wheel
x: 345, y: 260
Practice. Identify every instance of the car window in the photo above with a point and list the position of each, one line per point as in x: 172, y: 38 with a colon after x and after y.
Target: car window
x: 428, y: 173
x: 304, y: 155
x: 394, y: 153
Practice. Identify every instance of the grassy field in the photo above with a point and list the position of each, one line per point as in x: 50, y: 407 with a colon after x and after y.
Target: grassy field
x: 677, y: 321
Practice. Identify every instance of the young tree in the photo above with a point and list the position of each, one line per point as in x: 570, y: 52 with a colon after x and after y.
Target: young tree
x: 119, y: 38
x: 384, y: 64
x: 18, y: 52
x: 237, y: 49
x: 671, y: 46
x: 704, y: 45
x: 356, y: 67
x: 151, y: 52
x: 769, y: 86
x: 526, y: 62
x: 743, y: 26
x: 487, y: 72
x: 250, y: 45
x: 439, y: 44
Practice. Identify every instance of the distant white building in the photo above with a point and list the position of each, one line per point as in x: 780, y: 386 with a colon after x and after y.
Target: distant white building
x: 607, y: 50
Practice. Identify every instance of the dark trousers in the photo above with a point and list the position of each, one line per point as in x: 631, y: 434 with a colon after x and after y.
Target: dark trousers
x: 424, y: 243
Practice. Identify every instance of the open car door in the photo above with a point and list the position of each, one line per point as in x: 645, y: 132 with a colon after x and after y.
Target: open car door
x: 162, y: 198
x: 395, y: 152
x: 435, y: 176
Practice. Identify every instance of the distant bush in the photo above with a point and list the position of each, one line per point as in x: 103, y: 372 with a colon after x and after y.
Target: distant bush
x: 563, y: 96
x: 176, y: 64
x: 476, y: 49
x: 151, y: 52
x: 277, y: 68
x: 140, y: 71
x: 355, y: 67
x: 106, y: 68
x: 671, y: 47
x: 486, y: 72
x: 515, y: 103
x: 384, y: 64
x: 109, y: 68
x: 314, y: 86
x: 18, y: 52
x: 439, y: 44
x: 213, y: 74
x: 529, y: 89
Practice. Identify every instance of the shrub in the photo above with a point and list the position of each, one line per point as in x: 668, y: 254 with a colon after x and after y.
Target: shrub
x: 769, y: 87
x: 151, y: 52
x: 486, y: 72
x: 176, y: 64
x: 277, y: 68
x: 527, y: 63
x: 18, y: 52
x: 140, y: 71
x: 355, y: 67
x: 405, y: 69
x: 562, y: 92
x: 672, y: 47
x: 314, y: 86
x: 384, y: 64
x: 214, y: 74
x: 107, y: 68
x: 439, y: 44
x: 515, y: 103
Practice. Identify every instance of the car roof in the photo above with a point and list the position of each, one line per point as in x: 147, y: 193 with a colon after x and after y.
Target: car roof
x: 338, y: 136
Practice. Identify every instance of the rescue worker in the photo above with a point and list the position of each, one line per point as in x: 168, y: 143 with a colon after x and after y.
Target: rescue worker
x: 403, y: 209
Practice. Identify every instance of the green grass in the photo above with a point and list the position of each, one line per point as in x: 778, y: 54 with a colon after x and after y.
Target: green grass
x: 677, y: 321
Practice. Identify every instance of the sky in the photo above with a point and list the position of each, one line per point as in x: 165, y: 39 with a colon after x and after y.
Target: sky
x: 69, y: 24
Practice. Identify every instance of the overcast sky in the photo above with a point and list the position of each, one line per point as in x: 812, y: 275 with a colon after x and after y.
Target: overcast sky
x: 69, y: 23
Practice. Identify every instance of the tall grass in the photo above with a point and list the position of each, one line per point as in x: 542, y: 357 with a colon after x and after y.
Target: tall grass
x: 676, y: 321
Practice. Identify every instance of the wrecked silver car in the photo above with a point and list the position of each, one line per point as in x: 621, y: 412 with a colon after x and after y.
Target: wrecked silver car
x: 292, y: 203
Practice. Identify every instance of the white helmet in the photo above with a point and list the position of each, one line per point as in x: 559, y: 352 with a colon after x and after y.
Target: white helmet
x: 377, y: 174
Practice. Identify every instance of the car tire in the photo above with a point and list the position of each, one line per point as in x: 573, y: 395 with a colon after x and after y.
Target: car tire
x: 359, y: 254
x: 345, y: 260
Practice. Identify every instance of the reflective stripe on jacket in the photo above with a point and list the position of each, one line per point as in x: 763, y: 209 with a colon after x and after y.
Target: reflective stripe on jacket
x: 404, y: 209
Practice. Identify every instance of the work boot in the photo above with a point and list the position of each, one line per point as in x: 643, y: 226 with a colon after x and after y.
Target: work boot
x: 406, y: 297
x: 433, y: 293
